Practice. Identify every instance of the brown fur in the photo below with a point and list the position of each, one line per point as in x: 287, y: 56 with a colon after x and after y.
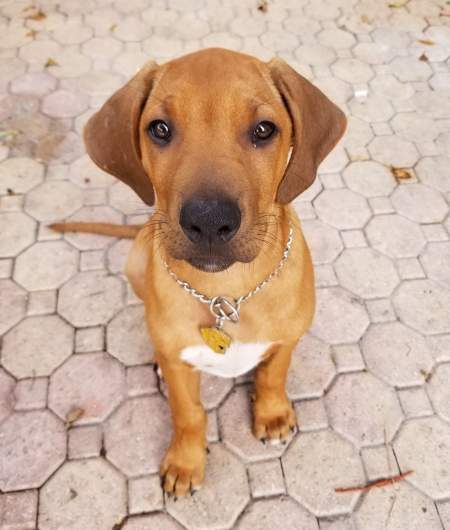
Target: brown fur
x: 213, y: 97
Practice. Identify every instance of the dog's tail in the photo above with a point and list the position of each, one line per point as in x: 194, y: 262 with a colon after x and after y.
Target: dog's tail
x: 105, y: 229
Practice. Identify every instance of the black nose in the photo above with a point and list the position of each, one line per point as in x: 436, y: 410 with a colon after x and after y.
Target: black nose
x: 212, y: 220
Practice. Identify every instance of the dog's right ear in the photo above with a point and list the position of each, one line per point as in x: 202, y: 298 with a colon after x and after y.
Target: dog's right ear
x: 111, y: 135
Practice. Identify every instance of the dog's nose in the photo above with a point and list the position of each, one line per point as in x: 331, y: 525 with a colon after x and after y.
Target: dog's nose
x: 212, y: 220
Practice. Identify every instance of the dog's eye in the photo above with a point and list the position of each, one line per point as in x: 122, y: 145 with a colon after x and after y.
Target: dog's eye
x: 160, y: 131
x: 263, y: 131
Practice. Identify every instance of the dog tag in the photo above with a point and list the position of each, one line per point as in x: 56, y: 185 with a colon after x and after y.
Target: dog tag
x: 216, y: 339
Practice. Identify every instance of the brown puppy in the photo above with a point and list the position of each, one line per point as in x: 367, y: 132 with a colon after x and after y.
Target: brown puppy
x: 221, y: 143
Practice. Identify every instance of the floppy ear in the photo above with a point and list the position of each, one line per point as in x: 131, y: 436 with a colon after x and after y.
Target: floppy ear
x: 317, y: 125
x: 111, y: 135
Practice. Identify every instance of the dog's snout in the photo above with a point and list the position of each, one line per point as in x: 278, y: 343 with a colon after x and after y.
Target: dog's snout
x: 210, y: 220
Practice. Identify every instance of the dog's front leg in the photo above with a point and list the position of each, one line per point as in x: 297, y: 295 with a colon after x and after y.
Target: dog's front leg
x: 183, y: 466
x: 273, y: 414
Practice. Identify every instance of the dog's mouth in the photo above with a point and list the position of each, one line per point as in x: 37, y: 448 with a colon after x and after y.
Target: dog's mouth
x: 211, y: 263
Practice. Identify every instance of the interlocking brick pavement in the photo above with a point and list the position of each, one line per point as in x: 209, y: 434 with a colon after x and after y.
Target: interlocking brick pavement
x: 370, y: 382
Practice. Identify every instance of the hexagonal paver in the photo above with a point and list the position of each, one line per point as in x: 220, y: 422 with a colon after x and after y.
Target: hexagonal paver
x: 393, y: 151
x: 395, y: 236
x: 352, y: 70
x: 127, y: 337
x: 32, y: 446
x: 160, y: 521
x: 366, y: 272
x: 20, y: 175
x: 64, y: 104
x: 213, y: 390
x: 7, y: 399
x: 90, y: 298
x: 224, y: 472
x: 423, y: 305
x: 269, y: 513
x: 236, y: 426
x: 342, y: 208
x: 397, y: 354
x: 369, y: 178
x: 436, y: 261
x: 83, y: 494
x: 17, y: 231
x: 439, y: 390
x: 316, y: 464
x: 419, y: 203
x: 323, y: 241
x: 363, y: 409
x: 410, y: 69
x: 13, y: 301
x: 46, y: 265
x: 84, y: 173
x: 340, y: 317
x: 403, y: 507
x: 92, y: 382
x: 124, y: 199
x: 138, y: 434
x: 311, y: 370
x: 414, y: 127
x: 423, y: 446
x: 433, y: 171
x: 53, y: 200
x: 373, y: 109
x: 37, y: 346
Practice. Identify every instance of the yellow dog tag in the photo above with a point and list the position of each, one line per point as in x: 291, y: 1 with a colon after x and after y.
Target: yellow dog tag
x: 216, y: 339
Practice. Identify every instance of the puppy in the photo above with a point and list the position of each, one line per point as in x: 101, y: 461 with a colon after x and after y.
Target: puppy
x: 220, y: 143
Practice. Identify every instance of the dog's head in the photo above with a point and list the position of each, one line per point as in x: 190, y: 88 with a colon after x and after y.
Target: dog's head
x: 218, y: 139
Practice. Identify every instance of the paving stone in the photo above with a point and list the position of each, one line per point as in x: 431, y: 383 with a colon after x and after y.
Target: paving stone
x: 438, y: 390
x: 268, y: 514
x: 84, y: 442
x: 347, y: 358
x: 323, y: 241
x: 17, y: 231
x: 101, y: 48
x: 266, y: 479
x: 6, y: 266
x: 236, y: 427
x: 20, y: 174
x: 315, y: 54
x: 444, y: 513
x: 337, y: 523
x: 92, y: 382
x: 353, y: 238
x: 72, y: 33
x: 13, y: 302
x: 435, y: 232
x: 213, y: 390
x: 137, y: 435
x: 415, y: 402
x: 7, y: 397
x: 127, y: 337
x: 64, y: 104
x: 369, y: 178
x: 432, y: 104
x: 89, y: 339
x: 423, y: 305
x: 380, y: 310
x: 46, y: 265
x: 366, y: 273
x: 393, y: 151
x: 19, y: 510
x: 397, y: 507
x: 374, y: 109
x: 395, y: 236
x: 27, y: 350
x: 409, y: 69
x: 41, y: 302
x: 423, y: 445
x: 117, y: 255
x: 311, y: 415
x: 352, y: 70
x: 145, y: 494
x: 32, y: 447
x: 436, y: 262
x: 379, y: 462
x: 53, y: 200
x: 86, y: 174
x: 124, y: 199
x: 223, y: 473
x: 83, y: 494
x: 342, y: 208
x: 340, y: 317
x: 339, y: 466
x: 31, y: 394
x: 90, y: 298
x: 141, y: 381
x: 410, y: 269
x: 397, y: 354
x: 311, y: 370
x: 363, y: 409
x: 419, y: 203
x: 37, y: 52
x: 433, y: 171
x: 358, y: 134
x: 160, y: 521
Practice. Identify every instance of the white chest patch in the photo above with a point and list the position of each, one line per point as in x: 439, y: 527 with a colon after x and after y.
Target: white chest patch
x: 239, y: 358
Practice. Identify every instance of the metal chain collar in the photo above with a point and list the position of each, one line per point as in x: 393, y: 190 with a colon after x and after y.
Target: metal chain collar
x: 223, y: 308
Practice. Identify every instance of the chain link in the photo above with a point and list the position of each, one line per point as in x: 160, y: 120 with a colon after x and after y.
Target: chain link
x: 219, y: 304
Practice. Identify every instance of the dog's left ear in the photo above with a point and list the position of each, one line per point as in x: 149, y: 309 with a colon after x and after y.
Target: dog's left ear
x: 111, y: 135
x: 317, y: 126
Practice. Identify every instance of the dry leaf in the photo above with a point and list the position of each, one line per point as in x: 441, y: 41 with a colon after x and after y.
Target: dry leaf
x: 400, y: 173
x: 32, y: 33
x: 9, y: 191
x: 263, y: 6
x: 28, y: 8
x: 426, y: 375
x: 39, y: 15
x: 427, y: 42
x: 423, y: 58
x: 8, y: 133
x: 72, y: 416
x: 51, y: 62
x: 396, y: 5
x: 113, y: 27
x: 365, y: 19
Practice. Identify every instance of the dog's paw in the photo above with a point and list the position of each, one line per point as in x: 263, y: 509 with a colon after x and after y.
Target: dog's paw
x: 273, y: 420
x: 183, y: 470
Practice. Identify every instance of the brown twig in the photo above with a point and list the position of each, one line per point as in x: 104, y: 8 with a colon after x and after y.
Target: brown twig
x: 377, y: 484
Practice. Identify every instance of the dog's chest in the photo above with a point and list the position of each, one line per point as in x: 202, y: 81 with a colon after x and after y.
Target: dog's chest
x: 239, y: 358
